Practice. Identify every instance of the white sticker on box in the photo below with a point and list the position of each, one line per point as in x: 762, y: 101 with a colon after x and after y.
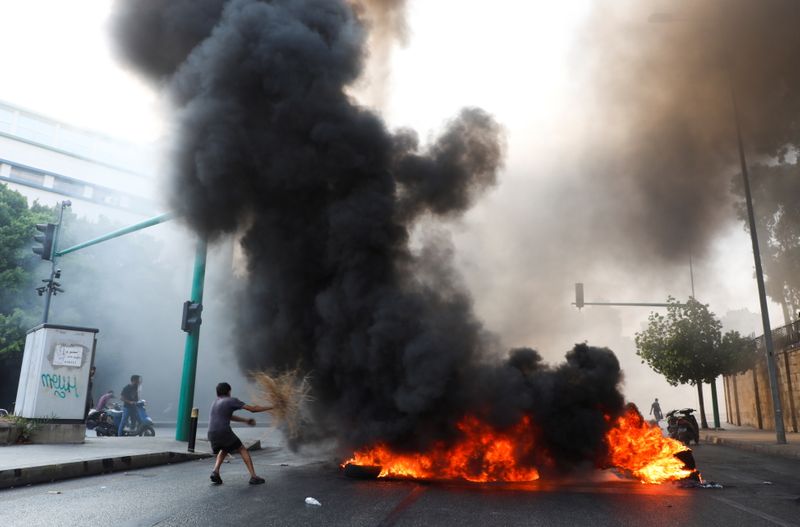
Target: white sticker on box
x: 69, y: 355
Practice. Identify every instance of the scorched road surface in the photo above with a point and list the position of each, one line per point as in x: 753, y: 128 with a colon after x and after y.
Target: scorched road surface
x: 758, y: 490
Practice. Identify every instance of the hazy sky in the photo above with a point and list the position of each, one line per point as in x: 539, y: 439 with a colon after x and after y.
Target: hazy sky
x: 515, y: 59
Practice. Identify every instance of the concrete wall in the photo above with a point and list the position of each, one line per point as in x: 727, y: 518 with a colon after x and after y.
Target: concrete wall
x: 748, y: 397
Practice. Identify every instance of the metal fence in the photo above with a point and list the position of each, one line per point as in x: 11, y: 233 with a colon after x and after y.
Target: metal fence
x: 782, y: 338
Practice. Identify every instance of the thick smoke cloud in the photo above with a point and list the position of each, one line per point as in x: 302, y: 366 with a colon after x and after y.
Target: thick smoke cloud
x: 271, y: 143
x: 661, y: 152
x: 634, y: 176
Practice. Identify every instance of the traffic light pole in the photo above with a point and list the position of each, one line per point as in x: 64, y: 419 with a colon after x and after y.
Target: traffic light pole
x: 117, y: 233
x: 579, y: 302
x: 190, y: 350
x: 193, y: 335
x: 50, y: 286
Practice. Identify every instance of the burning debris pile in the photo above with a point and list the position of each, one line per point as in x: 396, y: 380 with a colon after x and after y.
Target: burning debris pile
x: 270, y: 143
x: 483, y: 454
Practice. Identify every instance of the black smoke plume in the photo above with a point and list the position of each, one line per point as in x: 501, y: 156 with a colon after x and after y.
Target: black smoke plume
x: 271, y: 142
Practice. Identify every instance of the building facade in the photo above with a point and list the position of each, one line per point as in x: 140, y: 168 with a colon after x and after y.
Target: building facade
x: 49, y: 161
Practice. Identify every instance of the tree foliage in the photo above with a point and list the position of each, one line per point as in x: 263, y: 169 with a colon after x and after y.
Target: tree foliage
x: 776, y: 205
x: 18, y: 267
x: 687, y: 346
x: 130, y: 288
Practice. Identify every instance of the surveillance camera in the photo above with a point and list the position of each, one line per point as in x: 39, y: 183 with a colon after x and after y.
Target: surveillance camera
x: 66, y: 203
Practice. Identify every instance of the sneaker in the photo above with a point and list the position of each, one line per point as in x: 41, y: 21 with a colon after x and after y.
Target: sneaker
x: 255, y: 480
x: 215, y: 479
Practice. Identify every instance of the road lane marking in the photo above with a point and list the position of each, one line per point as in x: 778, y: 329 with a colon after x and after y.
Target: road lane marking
x: 401, y: 507
x: 754, y: 512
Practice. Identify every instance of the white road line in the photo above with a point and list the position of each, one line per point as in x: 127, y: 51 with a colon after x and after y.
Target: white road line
x: 754, y: 512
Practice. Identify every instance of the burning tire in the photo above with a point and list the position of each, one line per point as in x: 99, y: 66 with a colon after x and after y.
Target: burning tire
x: 362, y: 471
x: 689, y: 464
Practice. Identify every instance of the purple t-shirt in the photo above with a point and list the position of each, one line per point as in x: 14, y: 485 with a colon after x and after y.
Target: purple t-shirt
x: 101, y: 404
x: 221, y: 412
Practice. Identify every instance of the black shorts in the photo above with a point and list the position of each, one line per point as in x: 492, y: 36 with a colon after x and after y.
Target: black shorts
x: 226, y: 441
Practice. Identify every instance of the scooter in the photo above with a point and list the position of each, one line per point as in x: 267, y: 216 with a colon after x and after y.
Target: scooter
x: 100, y: 422
x: 106, y: 422
x: 682, y: 425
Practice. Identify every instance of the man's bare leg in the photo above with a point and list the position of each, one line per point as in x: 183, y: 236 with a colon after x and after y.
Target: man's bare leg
x: 218, y: 463
x: 247, y: 461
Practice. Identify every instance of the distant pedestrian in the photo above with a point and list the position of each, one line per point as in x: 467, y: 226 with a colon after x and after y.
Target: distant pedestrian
x: 220, y: 434
x: 655, y: 410
x: 103, y: 402
x: 129, y: 397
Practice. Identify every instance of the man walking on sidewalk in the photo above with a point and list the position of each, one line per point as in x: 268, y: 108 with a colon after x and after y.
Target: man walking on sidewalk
x: 220, y: 433
x: 655, y: 410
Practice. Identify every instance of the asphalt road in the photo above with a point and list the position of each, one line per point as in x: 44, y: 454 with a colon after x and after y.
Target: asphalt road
x: 758, y: 490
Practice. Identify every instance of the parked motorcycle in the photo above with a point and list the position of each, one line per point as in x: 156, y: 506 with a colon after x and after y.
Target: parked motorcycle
x: 106, y: 422
x: 682, y: 425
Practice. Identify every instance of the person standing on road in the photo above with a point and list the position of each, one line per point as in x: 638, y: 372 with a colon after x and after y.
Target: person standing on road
x: 220, y: 434
x: 655, y: 410
x: 129, y: 397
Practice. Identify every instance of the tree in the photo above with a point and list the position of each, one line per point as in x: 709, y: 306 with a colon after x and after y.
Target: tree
x: 775, y: 189
x: 121, y: 287
x: 17, y: 267
x: 687, y: 347
x: 19, y: 309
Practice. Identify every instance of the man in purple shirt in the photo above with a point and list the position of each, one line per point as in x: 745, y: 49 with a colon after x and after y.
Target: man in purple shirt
x: 101, y: 404
x: 221, y: 435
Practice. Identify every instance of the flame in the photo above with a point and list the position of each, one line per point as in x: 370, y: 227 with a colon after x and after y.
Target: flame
x: 481, y: 455
x: 484, y: 454
x: 641, y: 449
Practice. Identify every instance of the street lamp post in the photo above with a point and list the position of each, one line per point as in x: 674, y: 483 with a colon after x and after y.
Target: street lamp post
x: 780, y: 431
x: 772, y: 372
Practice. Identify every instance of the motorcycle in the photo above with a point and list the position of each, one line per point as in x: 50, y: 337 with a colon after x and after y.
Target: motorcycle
x: 106, y: 422
x: 682, y: 425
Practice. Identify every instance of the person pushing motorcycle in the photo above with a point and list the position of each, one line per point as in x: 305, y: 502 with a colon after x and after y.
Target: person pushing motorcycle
x: 129, y: 397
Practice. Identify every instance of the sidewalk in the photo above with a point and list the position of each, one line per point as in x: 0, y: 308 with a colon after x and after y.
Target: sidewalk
x: 28, y: 464
x: 754, y: 440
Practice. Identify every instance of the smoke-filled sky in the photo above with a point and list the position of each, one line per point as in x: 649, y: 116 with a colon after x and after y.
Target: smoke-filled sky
x: 619, y: 144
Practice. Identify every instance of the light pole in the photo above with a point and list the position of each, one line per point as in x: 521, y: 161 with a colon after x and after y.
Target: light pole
x: 780, y: 431
x: 772, y: 370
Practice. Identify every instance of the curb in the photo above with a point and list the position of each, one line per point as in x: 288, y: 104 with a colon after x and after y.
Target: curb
x: 20, y: 477
x: 784, y: 451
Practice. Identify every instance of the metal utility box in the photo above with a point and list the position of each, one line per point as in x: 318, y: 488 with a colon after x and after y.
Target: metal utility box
x: 54, y: 379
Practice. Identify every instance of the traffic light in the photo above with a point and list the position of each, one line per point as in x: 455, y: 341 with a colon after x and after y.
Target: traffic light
x: 191, y: 316
x: 579, y: 295
x: 46, y: 239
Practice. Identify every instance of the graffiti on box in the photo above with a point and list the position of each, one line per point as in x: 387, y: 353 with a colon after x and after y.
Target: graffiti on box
x: 62, y: 385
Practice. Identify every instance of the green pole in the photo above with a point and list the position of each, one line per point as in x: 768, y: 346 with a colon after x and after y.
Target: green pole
x: 714, y: 403
x: 190, y: 349
x: 119, y: 232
